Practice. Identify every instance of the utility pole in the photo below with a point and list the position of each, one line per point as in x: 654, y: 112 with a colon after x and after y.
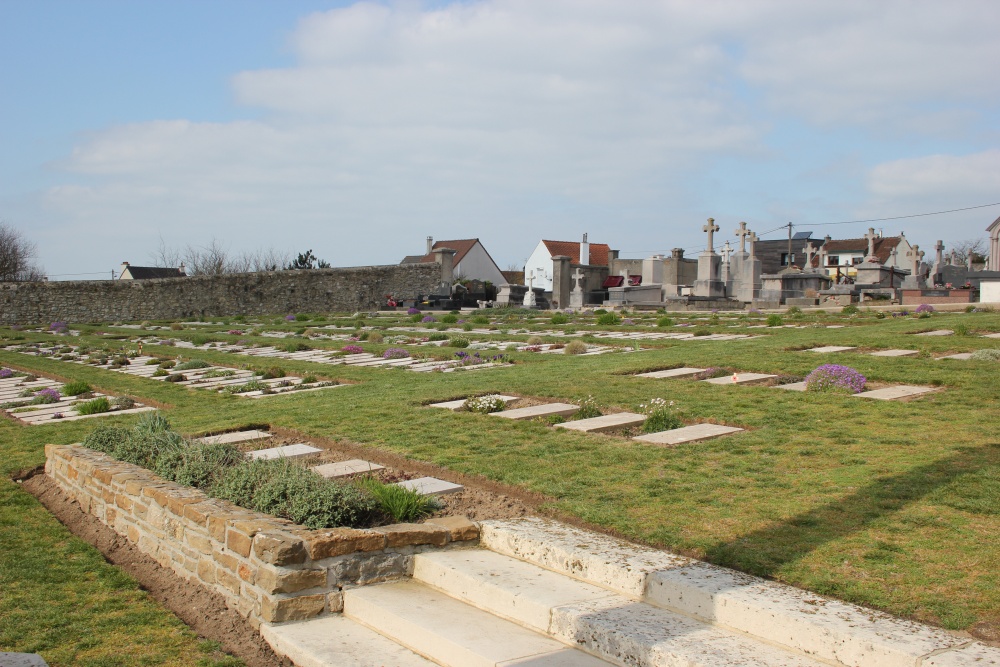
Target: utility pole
x: 789, y: 245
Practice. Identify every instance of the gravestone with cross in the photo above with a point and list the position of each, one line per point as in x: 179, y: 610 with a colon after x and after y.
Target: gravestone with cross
x: 529, y: 296
x: 914, y: 280
x: 934, y: 278
x: 810, y: 252
x: 576, y: 296
x: 870, y: 237
x: 709, y: 282
x: 746, y: 267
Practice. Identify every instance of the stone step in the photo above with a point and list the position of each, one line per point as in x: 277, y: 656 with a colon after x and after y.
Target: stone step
x: 610, y: 625
x: 452, y: 633
x: 605, y: 423
x: 337, y: 641
x: 546, y: 410
x: 827, y: 630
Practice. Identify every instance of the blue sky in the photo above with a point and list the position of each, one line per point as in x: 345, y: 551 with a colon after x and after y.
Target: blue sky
x: 357, y: 129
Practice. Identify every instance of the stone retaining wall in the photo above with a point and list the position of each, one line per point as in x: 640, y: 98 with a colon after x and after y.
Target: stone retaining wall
x: 265, y: 293
x: 268, y: 569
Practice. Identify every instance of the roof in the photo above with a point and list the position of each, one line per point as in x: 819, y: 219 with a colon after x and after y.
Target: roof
x: 599, y: 252
x: 883, y: 246
x: 150, y: 272
x: 461, y: 246
x: 993, y: 225
x: 513, y: 277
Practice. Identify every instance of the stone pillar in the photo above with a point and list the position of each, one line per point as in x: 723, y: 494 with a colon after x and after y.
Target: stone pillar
x: 446, y: 258
x: 560, y: 281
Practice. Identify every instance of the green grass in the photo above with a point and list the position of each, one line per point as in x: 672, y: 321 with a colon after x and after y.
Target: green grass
x: 895, y: 505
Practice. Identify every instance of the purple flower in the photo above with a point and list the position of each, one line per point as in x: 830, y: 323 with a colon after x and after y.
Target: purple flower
x: 395, y: 353
x: 412, y: 311
x: 924, y: 308
x: 48, y: 395
x: 57, y: 415
x: 833, y: 377
x: 428, y: 318
x: 289, y: 318
x: 352, y: 349
x: 58, y: 327
x: 6, y: 373
x: 235, y: 332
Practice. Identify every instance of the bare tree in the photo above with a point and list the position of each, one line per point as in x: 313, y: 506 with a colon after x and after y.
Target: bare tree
x: 974, y: 247
x: 16, y: 255
x: 215, y: 259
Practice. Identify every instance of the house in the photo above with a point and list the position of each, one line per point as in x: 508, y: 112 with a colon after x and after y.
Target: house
x: 841, y: 254
x: 993, y: 256
x: 129, y: 272
x: 538, y: 269
x: 472, y: 261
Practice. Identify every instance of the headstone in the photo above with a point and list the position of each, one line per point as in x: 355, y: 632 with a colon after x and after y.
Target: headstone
x: 546, y: 410
x: 605, y: 423
x: 743, y: 233
x: 346, y: 468
x: 810, y: 252
x: 936, y: 268
x: 576, y: 297
x: 671, y: 373
x: 871, y: 236
x: 914, y: 280
x: 895, y: 353
x: 286, y: 452
x: 529, y: 296
x: 687, y: 434
x: 234, y: 437
x: 709, y: 282
x: 741, y: 378
x: 826, y: 349
x: 430, y: 486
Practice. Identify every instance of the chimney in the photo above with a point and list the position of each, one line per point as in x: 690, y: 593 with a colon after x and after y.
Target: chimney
x: 430, y: 244
x: 585, y: 251
x: 121, y: 271
x: 182, y: 270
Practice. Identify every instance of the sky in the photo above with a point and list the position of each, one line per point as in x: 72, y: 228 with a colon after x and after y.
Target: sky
x: 357, y: 129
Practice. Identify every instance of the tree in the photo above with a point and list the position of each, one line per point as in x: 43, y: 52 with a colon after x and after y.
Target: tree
x: 974, y: 247
x: 16, y: 255
x: 307, y: 260
x: 214, y: 259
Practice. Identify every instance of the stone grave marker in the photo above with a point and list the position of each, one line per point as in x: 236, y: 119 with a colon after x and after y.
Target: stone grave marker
x: 546, y: 410
x: 740, y: 378
x: 430, y: 486
x: 894, y: 393
x: 286, y: 452
x: 687, y: 434
x: 346, y: 468
x: 896, y: 353
x: 605, y: 423
x: 672, y: 373
x: 826, y: 349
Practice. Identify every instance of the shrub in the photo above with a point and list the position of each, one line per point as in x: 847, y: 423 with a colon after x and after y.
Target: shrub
x: 417, y: 317
x: 600, y: 311
x: 836, y: 378
x: 218, y: 373
x: 197, y: 464
x: 202, y: 339
x: 849, y: 309
x: 449, y: 319
x: 352, y: 349
x: 988, y: 354
x: 774, y: 320
x: 484, y: 404
x: 575, y: 347
x: 560, y: 318
x: 701, y: 331
x: 106, y: 438
x: 438, y: 336
x: 252, y: 385
x: 176, y: 377
x: 961, y: 330
x: 608, y: 318
x: 588, y: 409
x: 169, y: 363
x: 272, y: 373
x: 124, y: 402
x: 880, y: 315
x: 665, y: 322
x: 296, y: 346
x: 412, y: 311
x: 6, y: 373
x: 480, y: 319
x: 399, y: 503
x: 159, y: 373
x: 395, y: 353
x: 426, y: 319
x: 375, y: 337
x: 301, y: 317
x: 458, y: 341
x: 192, y: 365
x: 154, y: 362
x: 793, y: 310
x: 924, y: 308
x: 660, y: 416
x: 535, y: 340
x: 75, y: 388
x: 94, y: 406
x: 309, y: 379
x: 46, y: 396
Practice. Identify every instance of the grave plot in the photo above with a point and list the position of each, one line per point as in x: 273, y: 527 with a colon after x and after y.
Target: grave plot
x: 827, y: 349
x: 605, y: 423
x: 43, y: 401
x: 684, y: 434
x: 895, y: 353
x: 217, y: 378
x: 672, y: 373
x: 937, y: 332
x: 895, y: 393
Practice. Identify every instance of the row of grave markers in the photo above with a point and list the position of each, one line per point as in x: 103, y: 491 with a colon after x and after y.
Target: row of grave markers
x: 44, y: 413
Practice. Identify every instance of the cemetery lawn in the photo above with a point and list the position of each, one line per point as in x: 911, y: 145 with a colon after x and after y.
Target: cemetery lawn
x: 890, y: 504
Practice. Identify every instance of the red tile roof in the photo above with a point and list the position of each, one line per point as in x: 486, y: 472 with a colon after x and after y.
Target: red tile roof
x: 462, y: 246
x: 599, y: 252
x: 883, y: 247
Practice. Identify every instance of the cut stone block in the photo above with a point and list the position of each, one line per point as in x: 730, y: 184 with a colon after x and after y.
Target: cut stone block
x: 792, y: 386
x: 456, y: 406
x: 430, y: 486
x: 896, y: 353
x: 939, y: 332
x: 671, y: 373
x: 234, y: 437
x: 547, y: 410
x: 605, y: 423
x: 741, y: 378
x: 962, y: 356
x: 22, y: 660
x: 286, y: 452
x: 830, y: 348
x: 991, y: 335
x: 894, y: 393
x: 687, y: 434
x: 336, y: 640
x: 346, y: 468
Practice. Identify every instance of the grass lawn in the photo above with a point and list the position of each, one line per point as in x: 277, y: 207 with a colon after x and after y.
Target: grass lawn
x: 895, y: 505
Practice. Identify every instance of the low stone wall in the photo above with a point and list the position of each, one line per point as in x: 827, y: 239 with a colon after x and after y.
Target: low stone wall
x: 915, y: 297
x: 252, y: 294
x: 268, y: 569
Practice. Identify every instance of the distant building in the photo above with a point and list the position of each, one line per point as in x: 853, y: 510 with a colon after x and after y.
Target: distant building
x: 540, y: 265
x: 472, y: 261
x: 129, y: 272
x: 841, y: 254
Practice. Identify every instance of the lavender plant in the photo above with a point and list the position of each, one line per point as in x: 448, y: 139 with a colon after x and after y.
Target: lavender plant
x: 836, y: 378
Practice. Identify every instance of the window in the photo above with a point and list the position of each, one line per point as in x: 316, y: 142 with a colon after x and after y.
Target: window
x: 833, y: 260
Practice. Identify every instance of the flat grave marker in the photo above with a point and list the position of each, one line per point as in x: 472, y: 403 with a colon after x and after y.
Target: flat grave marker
x: 895, y: 353
x: 456, y: 406
x: 546, y: 410
x: 894, y: 393
x: 793, y: 386
x: 740, y: 378
x: 346, y: 468
x: 938, y: 332
x: 671, y: 373
x: 430, y: 486
x: 234, y: 437
x: 285, y: 452
x: 962, y: 356
x: 684, y: 434
x: 826, y: 349
x: 605, y: 423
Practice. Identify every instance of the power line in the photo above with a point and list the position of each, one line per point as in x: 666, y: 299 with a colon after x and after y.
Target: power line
x: 897, y: 217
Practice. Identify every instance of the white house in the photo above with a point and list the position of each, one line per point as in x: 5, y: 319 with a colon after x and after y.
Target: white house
x: 540, y: 266
x: 472, y: 261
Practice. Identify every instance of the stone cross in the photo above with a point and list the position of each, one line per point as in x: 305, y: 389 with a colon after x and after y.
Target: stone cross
x: 743, y: 232
x: 822, y: 259
x: 871, y: 236
x: 577, y: 277
x: 531, y: 280
x: 952, y: 258
x: 968, y: 260
x: 892, y: 257
x: 915, y: 256
x: 938, y: 260
x: 753, y: 239
x: 726, y: 252
x: 810, y: 251
x: 710, y: 229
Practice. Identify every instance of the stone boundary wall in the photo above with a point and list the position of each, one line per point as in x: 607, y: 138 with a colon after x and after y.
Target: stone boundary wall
x: 265, y: 293
x: 268, y: 569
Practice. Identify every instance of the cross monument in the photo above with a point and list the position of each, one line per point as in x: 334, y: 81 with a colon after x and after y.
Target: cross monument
x: 710, y: 229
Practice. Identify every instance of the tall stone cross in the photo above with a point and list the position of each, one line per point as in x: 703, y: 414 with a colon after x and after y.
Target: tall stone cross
x: 531, y: 280
x: 710, y: 229
x: 893, y: 256
x: 753, y: 240
x: 915, y: 256
x: 810, y: 251
x: 871, y: 236
x: 577, y: 277
x: 726, y: 252
x: 952, y: 258
x: 939, y: 253
x: 743, y: 232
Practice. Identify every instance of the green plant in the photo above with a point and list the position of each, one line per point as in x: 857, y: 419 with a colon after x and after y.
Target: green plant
x: 124, y: 402
x: 169, y: 363
x: 588, y: 409
x: 988, y: 354
x: 480, y: 319
x: 191, y: 365
x: 301, y: 317
x: 94, y: 406
x: 272, y: 373
x: 575, y: 347
x: 375, y: 337
x: 75, y: 388
x: 449, y: 319
x: 399, y: 503
x: 309, y: 379
x: 252, y: 385
x: 176, y: 326
x: 159, y: 373
x: 458, y: 341
x: 484, y: 404
x: 200, y: 339
x: 608, y: 318
x: 665, y: 322
x: 438, y: 336
x: 774, y: 320
x: 535, y: 340
x: 295, y: 346
x: 176, y: 377
x: 793, y: 310
x: 660, y: 416
x: 849, y: 309
x: 197, y: 464
x: 961, y: 330
x: 560, y: 318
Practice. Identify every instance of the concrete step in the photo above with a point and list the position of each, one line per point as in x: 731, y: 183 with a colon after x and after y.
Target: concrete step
x: 337, y: 641
x: 453, y: 633
x: 612, y: 626
x: 828, y: 630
